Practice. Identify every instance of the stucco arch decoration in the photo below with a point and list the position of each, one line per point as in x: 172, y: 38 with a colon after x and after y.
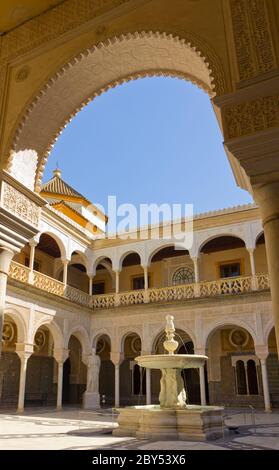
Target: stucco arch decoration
x: 124, y: 333
x: 235, y: 322
x: 54, y: 330
x: 95, y: 70
x: 20, y: 323
x: 179, y: 326
x: 81, y: 334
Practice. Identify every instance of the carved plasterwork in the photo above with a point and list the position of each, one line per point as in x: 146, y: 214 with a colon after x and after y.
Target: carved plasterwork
x: 252, y: 37
x: 96, y: 70
x: 252, y: 116
x: 19, y: 205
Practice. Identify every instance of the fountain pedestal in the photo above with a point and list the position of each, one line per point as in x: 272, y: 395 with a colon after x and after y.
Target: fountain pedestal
x: 194, y: 423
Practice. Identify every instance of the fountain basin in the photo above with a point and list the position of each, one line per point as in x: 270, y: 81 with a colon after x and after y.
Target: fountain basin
x: 195, y: 423
x: 171, y: 361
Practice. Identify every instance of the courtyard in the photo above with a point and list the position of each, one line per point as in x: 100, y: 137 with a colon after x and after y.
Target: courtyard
x: 76, y: 429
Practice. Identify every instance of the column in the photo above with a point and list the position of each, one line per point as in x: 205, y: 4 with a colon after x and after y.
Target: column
x: 65, y: 271
x: 116, y: 282
x: 116, y: 358
x: 24, y: 351
x: 202, y: 386
x: 91, y: 276
x: 33, y: 245
x: 60, y: 355
x: 253, y: 269
x: 195, y: 260
x: 145, y: 273
x: 6, y: 255
x: 59, y: 385
x: 267, y: 197
x: 148, y: 386
x: 265, y: 385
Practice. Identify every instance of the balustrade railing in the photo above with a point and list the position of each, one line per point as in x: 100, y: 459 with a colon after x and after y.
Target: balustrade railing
x: 228, y: 286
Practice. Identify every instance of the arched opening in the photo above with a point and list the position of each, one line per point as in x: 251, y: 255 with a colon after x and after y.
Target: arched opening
x: 74, y: 374
x: 106, y: 373
x: 41, y: 374
x: 170, y: 266
x: 132, y: 377
x: 9, y: 364
x: 260, y: 255
x: 234, y: 373
x: 131, y: 276
x: 272, y: 364
x: 222, y: 257
x: 47, y: 256
x: 104, y: 279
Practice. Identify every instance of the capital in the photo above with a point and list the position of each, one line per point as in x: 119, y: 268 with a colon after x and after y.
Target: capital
x: 116, y: 358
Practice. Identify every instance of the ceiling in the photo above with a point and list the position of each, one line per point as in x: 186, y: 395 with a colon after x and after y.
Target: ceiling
x: 15, y: 12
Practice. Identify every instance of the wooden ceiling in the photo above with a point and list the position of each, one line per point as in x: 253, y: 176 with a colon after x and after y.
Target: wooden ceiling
x: 15, y: 12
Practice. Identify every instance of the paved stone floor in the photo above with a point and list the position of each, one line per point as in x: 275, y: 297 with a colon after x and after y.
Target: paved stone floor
x: 79, y: 429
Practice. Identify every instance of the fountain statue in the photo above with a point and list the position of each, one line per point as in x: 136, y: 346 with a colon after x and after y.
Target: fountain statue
x: 173, y: 418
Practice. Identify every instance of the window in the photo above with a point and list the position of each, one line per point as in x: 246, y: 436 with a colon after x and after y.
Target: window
x: 230, y: 270
x: 184, y: 275
x: 138, y: 282
x: 98, y: 288
x: 241, y: 378
x: 36, y: 264
x: 246, y: 377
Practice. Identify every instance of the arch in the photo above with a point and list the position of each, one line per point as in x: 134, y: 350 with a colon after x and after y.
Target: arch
x: 21, y: 326
x: 83, y: 258
x: 98, y: 261
x: 163, y: 244
x: 101, y: 67
x: 224, y: 323
x: 219, y: 235
x: 129, y: 331
x: 59, y: 241
x: 53, y: 328
x: 81, y: 334
x: 98, y: 335
x: 127, y: 253
x: 268, y: 329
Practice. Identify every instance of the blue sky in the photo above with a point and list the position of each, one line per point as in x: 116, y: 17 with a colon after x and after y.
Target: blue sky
x: 153, y: 140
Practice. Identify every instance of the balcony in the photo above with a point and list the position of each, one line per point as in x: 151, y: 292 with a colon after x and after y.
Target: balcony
x: 204, y: 289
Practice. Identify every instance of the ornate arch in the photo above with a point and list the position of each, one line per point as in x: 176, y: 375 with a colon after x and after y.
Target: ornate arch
x: 105, y: 65
x: 160, y: 245
x: 178, y: 327
x: 211, y: 328
x: 208, y: 238
x: 53, y: 328
x: 127, y: 332
x: 21, y: 326
x: 81, y: 334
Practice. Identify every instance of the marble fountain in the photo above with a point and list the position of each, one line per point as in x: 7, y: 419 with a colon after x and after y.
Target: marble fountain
x: 173, y: 418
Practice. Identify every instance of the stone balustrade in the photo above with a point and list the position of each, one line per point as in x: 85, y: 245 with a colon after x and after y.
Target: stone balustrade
x: 228, y: 286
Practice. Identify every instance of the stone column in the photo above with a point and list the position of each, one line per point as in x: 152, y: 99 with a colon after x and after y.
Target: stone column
x: 6, y: 255
x: 267, y: 197
x: 65, y: 271
x: 146, y: 286
x: 202, y: 386
x: 60, y: 355
x: 116, y: 282
x: 262, y: 354
x: 253, y: 269
x: 195, y: 260
x: 33, y: 245
x: 24, y: 351
x: 116, y: 358
x: 148, y: 386
x: 91, y: 276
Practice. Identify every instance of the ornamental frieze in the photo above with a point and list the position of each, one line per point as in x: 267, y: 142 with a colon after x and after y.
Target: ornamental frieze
x: 252, y: 116
x: 252, y: 37
x: 19, y: 205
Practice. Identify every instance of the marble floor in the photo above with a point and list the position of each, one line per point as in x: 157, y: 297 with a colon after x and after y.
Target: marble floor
x: 72, y: 428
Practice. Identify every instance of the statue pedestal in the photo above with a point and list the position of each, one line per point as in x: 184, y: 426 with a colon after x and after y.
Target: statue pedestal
x: 91, y: 400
